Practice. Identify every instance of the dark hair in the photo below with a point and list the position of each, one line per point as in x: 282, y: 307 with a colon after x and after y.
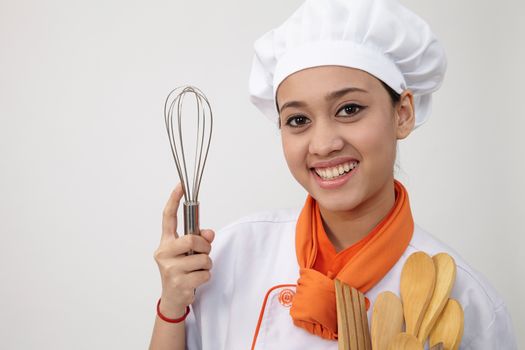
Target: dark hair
x: 394, y: 96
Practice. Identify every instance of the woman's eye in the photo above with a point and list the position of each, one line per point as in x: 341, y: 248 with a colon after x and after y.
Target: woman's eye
x: 349, y: 110
x: 297, y: 121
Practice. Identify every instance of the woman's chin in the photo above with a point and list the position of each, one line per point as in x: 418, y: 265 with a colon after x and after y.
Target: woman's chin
x: 339, y: 203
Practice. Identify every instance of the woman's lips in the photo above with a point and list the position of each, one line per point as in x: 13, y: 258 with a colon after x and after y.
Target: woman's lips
x: 336, y: 182
x: 332, y: 162
x: 328, y: 173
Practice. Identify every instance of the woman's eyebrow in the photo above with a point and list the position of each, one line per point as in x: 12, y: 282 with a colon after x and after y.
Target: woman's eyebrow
x: 292, y: 104
x: 328, y: 97
x: 336, y: 94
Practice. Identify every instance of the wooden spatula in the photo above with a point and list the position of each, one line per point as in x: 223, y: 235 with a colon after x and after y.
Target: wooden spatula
x: 342, y: 318
x: 405, y: 341
x: 387, y: 320
x: 449, y: 326
x: 352, y: 319
x: 445, y: 277
x: 418, y: 278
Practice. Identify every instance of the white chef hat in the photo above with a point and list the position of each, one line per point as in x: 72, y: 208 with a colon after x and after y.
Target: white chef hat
x: 381, y: 37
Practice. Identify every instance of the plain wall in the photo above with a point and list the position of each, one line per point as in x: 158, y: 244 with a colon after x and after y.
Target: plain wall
x: 86, y: 167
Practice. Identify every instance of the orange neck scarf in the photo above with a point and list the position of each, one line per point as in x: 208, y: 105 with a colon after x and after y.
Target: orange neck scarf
x: 369, y: 260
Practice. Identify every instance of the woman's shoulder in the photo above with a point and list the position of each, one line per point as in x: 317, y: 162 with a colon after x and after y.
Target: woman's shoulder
x: 267, y: 223
x: 275, y: 216
x: 255, y: 234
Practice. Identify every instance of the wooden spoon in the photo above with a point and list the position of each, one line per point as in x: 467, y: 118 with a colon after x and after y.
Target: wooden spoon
x: 417, y: 285
x: 387, y: 320
x: 449, y: 326
x: 405, y: 341
x: 445, y: 277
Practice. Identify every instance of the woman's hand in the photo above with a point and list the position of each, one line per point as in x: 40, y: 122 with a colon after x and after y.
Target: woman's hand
x: 181, y: 274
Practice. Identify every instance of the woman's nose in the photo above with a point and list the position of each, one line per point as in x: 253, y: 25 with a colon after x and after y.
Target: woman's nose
x: 325, y: 139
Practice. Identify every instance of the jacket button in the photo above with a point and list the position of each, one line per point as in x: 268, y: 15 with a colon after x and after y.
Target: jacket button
x: 286, y: 297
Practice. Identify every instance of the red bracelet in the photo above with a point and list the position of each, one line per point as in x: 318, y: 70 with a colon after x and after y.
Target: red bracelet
x: 172, y: 320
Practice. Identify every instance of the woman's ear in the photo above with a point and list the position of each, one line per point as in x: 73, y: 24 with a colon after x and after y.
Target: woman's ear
x: 405, y: 115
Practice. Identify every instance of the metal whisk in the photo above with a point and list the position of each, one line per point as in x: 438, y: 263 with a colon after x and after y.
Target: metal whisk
x: 173, y: 116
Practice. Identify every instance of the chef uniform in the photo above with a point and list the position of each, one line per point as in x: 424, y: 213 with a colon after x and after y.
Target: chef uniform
x: 254, y: 278
x: 255, y: 298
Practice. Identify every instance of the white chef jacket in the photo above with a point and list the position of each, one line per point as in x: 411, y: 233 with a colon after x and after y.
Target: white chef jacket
x: 247, y: 300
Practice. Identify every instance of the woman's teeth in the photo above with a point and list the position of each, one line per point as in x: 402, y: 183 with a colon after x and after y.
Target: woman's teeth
x: 333, y: 172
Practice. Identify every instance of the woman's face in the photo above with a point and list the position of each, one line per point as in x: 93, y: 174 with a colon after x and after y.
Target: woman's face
x: 339, y: 130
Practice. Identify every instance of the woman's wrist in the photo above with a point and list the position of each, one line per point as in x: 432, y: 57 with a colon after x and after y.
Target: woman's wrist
x: 170, y: 310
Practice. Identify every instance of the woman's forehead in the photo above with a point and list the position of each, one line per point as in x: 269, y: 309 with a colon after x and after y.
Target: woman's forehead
x: 326, y: 81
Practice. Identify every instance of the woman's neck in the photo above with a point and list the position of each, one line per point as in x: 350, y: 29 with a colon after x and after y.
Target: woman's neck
x: 344, y: 228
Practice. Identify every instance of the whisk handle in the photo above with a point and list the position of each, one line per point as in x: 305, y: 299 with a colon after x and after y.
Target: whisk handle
x: 191, y: 219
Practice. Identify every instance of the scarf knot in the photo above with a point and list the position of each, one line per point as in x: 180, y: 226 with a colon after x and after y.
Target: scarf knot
x: 318, y: 317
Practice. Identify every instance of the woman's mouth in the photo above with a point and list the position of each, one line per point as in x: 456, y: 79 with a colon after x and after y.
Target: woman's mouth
x: 334, y: 172
x: 333, y: 177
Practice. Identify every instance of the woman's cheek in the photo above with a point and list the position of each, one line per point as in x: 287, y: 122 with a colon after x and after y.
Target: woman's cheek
x: 377, y: 147
x: 293, y: 155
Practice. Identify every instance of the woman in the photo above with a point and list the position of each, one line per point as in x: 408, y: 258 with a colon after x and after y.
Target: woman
x: 345, y: 79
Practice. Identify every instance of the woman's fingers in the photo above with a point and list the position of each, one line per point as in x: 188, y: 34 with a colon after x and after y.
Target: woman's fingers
x: 197, y: 262
x: 169, y: 215
x: 184, y: 265
x: 182, y: 245
x: 208, y: 235
x: 195, y: 243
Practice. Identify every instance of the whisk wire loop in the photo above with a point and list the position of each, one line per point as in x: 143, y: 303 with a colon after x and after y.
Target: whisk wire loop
x: 173, y: 108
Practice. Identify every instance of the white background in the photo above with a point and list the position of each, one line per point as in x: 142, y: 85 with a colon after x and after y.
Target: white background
x: 85, y: 167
